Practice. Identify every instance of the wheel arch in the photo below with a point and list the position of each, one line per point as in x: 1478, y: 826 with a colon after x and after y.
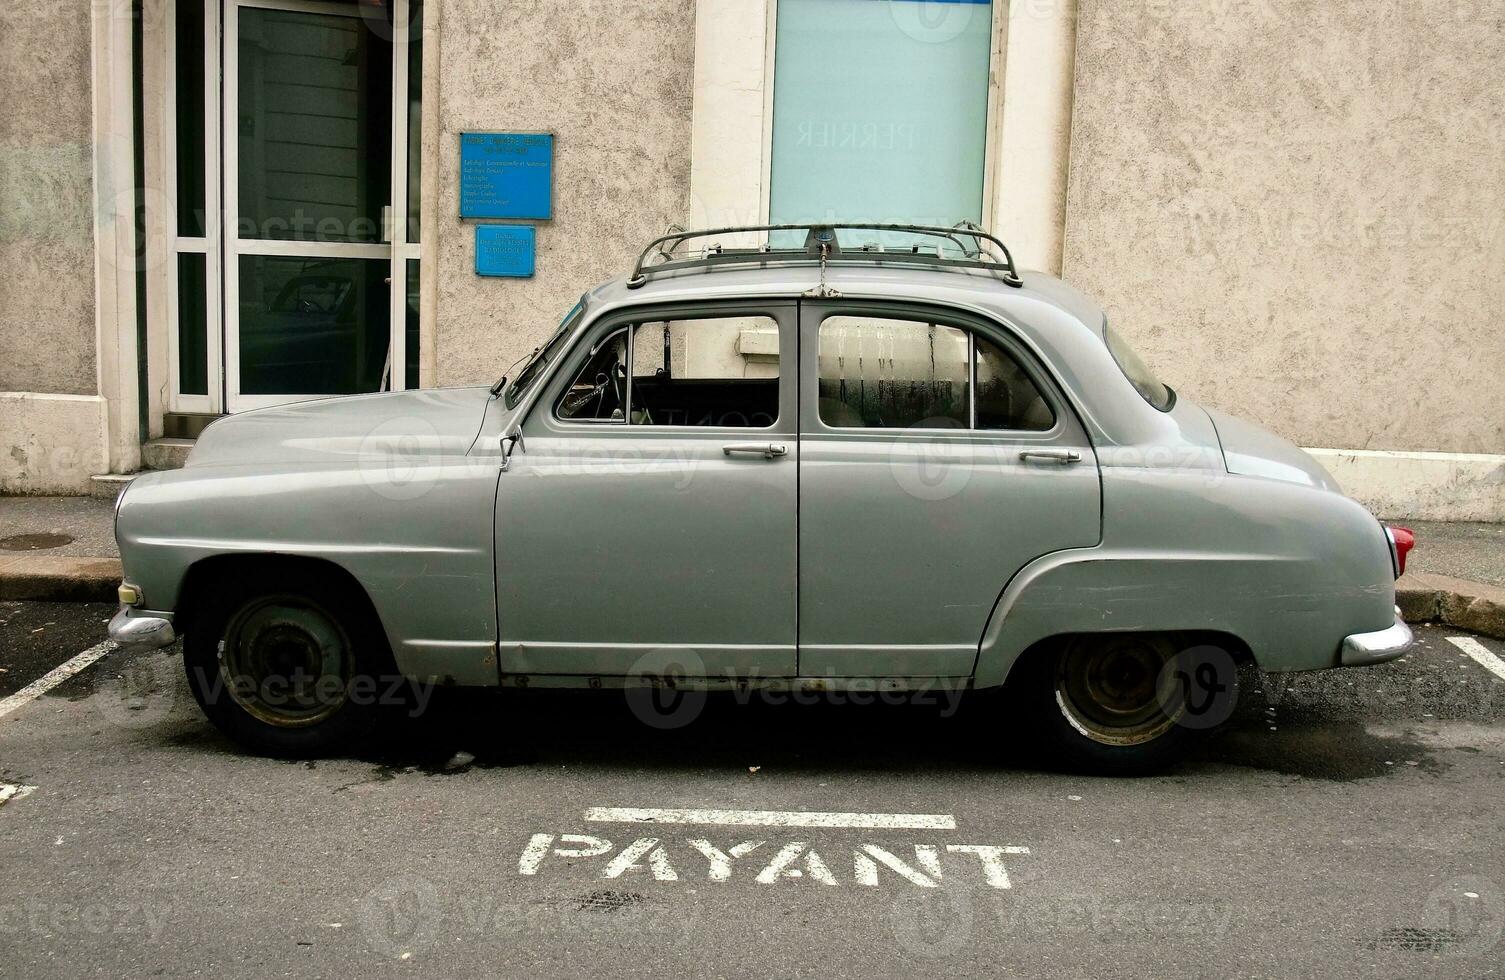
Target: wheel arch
x: 205, y: 573
x: 1236, y: 600
x: 1049, y: 646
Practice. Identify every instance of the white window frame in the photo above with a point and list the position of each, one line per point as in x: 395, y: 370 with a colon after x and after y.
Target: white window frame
x: 735, y: 74
x: 1026, y: 159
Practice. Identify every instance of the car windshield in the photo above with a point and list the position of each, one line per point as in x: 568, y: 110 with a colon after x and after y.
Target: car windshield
x: 544, y: 356
x: 1151, y: 388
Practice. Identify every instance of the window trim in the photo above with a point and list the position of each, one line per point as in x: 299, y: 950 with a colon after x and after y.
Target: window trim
x: 772, y: 307
x: 1027, y: 361
x: 992, y: 128
x: 626, y: 328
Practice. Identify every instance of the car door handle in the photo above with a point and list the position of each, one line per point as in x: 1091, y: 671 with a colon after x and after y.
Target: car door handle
x: 1062, y: 456
x: 768, y: 450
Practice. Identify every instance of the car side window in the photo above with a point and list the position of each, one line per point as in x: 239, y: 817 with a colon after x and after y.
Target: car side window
x: 598, y: 392
x: 881, y: 373
x: 1006, y: 397
x: 897, y: 373
x: 708, y: 371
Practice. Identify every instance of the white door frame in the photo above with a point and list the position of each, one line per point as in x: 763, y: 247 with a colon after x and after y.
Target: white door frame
x: 212, y: 401
x: 395, y: 248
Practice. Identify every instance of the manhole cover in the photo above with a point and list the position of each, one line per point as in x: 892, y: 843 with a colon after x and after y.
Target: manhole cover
x: 34, y: 542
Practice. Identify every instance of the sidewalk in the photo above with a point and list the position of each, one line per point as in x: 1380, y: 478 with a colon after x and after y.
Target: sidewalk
x: 58, y: 548
x: 1456, y: 575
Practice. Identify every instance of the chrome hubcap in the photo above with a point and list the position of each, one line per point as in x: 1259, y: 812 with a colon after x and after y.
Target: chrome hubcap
x: 286, y: 661
x: 1113, y: 689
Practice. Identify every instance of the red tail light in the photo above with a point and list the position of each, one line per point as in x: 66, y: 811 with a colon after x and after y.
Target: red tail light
x: 1402, y: 540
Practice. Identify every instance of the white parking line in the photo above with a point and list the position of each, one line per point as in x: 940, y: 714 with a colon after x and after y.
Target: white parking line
x: 773, y: 818
x: 1480, y: 653
x: 10, y: 791
x: 54, y: 677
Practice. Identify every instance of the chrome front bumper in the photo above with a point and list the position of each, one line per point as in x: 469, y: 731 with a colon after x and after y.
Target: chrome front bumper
x: 136, y: 629
x: 1362, y: 649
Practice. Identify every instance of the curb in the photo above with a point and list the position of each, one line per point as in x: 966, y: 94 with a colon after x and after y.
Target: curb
x: 1473, y: 606
x: 52, y: 578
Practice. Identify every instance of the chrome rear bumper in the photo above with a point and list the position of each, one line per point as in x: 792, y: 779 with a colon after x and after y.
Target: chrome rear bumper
x: 136, y: 629
x: 1362, y: 649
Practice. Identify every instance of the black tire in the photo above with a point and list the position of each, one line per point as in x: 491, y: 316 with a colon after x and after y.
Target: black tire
x: 250, y: 652
x: 1108, y: 703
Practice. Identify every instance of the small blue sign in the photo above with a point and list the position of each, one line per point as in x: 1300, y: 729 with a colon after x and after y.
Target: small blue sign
x: 505, y: 250
x: 507, y: 175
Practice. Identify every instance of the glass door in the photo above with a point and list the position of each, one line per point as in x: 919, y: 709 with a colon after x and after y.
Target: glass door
x: 314, y: 147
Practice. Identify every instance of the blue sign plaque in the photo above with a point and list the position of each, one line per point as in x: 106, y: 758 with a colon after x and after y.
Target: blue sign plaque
x: 507, y: 175
x: 505, y: 250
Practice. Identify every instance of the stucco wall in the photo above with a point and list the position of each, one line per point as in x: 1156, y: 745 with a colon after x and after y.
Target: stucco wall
x: 1297, y: 210
x: 46, y: 223
x: 613, y: 82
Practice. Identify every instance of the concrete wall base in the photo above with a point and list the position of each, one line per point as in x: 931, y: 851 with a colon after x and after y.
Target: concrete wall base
x: 1422, y: 486
x: 51, y: 443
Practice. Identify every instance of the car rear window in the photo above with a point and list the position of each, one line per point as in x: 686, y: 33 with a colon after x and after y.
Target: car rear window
x: 1151, y: 388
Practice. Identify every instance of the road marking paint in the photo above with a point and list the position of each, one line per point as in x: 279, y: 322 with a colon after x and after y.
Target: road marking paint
x: 773, y: 818
x: 11, y: 791
x: 721, y: 861
x: 1476, y: 650
x: 631, y: 857
x: 870, y: 863
x: 54, y: 677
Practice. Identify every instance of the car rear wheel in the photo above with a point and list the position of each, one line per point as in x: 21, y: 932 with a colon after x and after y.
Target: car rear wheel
x: 287, y: 669
x: 1111, y: 703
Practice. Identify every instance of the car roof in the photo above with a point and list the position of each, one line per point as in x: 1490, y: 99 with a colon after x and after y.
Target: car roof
x: 971, y: 288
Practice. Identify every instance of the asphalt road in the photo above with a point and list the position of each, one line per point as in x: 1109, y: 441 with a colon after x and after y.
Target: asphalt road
x: 1345, y: 824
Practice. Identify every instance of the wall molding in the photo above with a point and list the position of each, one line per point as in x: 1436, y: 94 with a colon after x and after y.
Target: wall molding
x: 1421, y: 485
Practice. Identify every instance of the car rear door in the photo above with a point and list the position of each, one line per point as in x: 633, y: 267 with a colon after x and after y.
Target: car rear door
x: 646, y: 520
x: 937, y: 458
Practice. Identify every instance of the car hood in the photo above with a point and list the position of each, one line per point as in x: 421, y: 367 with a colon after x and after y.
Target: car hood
x: 1249, y: 450
x: 440, y: 421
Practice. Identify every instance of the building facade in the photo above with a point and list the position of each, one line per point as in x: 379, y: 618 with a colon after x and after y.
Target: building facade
x: 1295, y: 211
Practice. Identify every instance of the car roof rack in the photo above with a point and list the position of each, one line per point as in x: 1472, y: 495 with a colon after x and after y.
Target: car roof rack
x: 822, y: 245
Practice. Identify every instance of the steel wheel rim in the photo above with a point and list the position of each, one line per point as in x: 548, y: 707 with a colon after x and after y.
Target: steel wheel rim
x: 286, y: 661
x: 1113, y: 690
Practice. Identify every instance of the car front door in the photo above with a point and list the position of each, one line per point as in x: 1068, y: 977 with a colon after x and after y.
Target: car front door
x: 646, y: 520
x: 937, y: 458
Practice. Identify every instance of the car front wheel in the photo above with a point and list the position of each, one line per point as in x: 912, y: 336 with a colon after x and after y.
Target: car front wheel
x: 287, y: 669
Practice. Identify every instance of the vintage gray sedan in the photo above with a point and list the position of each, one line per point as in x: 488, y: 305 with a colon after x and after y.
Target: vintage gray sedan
x: 838, y: 458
